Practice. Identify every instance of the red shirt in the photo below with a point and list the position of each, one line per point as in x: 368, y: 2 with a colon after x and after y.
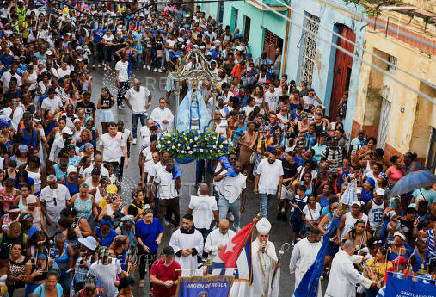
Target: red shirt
x: 165, y: 273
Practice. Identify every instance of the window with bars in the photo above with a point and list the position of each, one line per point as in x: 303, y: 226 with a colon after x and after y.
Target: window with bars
x: 308, y: 49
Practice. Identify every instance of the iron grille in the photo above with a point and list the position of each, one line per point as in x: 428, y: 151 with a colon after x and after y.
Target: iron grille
x: 309, y: 48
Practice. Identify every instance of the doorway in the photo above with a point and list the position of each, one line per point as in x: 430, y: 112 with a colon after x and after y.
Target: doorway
x: 342, y: 69
x: 271, y: 42
x: 220, y: 11
x: 247, y: 22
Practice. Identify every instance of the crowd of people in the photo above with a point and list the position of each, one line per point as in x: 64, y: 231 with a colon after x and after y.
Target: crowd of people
x: 67, y: 232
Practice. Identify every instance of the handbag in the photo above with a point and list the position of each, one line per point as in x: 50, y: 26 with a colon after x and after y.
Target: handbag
x: 253, y: 157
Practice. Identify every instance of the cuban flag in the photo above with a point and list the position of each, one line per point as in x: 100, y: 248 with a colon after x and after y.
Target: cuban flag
x: 236, y: 259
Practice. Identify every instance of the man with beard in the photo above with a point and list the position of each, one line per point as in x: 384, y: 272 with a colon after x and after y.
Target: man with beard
x: 187, y: 243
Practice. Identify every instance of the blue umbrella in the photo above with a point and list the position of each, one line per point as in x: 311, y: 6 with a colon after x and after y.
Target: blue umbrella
x: 414, y: 180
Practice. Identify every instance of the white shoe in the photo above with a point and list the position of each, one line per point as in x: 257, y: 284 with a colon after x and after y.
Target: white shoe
x: 148, y: 67
x: 159, y: 70
x: 120, y: 107
x: 155, y: 69
x: 231, y: 217
x: 134, y: 141
x: 143, y: 67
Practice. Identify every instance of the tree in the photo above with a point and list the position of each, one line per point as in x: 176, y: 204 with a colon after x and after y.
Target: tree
x: 372, y: 7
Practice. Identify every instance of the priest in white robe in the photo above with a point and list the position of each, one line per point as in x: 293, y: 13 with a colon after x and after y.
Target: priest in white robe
x: 343, y: 277
x: 266, y: 266
x: 162, y: 115
x: 187, y: 244
x: 304, y: 255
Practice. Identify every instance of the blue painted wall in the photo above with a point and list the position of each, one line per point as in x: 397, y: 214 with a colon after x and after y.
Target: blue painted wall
x: 322, y: 80
x: 259, y: 21
x: 210, y: 9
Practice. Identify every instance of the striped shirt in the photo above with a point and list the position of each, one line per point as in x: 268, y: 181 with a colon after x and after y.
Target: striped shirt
x: 430, y: 244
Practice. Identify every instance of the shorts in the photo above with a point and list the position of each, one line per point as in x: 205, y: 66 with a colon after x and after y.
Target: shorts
x: 298, y: 225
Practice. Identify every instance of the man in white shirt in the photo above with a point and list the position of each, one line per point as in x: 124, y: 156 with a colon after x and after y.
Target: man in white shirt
x: 136, y: 99
x: 343, y: 277
x: 122, y: 78
x: 7, y: 75
x: 232, y: 195
x: 204, y: 209
x: 54, y: 197
x: 52, y: 102
x: 268, y: 182
x: 272, y: 98
x: 311, y: 99
x: 113, y: 146
x: 303, y: 256
x: 218, y: 238
x: 145, y: 133
x: 59, y: 144
x: 162, y: 115
x: 167, y: 192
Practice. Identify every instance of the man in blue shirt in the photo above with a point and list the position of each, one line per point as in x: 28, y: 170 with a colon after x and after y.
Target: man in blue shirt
x: 97, y: 36
x: 6, y: 58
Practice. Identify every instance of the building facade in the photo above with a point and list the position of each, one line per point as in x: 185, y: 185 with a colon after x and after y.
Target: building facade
x: 255, y: 22
x: 399, y: 118
x: 312, y: 58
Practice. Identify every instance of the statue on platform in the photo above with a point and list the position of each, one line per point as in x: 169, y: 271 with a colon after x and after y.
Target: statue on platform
x: 192, y: 113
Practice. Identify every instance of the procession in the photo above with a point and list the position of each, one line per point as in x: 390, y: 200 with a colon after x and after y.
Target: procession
x: 168, y: 149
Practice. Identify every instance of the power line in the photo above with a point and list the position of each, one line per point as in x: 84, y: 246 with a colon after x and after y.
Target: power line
x: 360, y: 47
x: 164, y: 2
x: 428, y: 98
x: 145, y: 5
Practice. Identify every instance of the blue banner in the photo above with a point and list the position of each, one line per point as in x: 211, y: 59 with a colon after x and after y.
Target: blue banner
x: 205, y: 286
x: 397, y: 286
x: 308, y: 286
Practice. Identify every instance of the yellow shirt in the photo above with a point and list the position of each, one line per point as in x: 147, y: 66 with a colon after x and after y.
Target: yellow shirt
x: 103, y: 203
x: 24, y: 29
x: 378, y: 268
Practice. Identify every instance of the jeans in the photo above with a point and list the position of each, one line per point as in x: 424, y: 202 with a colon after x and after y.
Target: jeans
x: 107, y: 54
x: 265, y: 203
x: 224, y: 206
x: 135, y: 117
x: 97, y: 51
x: 138, y: 61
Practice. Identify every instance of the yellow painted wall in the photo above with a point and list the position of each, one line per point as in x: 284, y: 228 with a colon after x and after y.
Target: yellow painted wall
x: 373, y: 85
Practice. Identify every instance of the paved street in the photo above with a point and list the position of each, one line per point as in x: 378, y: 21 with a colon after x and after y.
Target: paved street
x: 281, y: 231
